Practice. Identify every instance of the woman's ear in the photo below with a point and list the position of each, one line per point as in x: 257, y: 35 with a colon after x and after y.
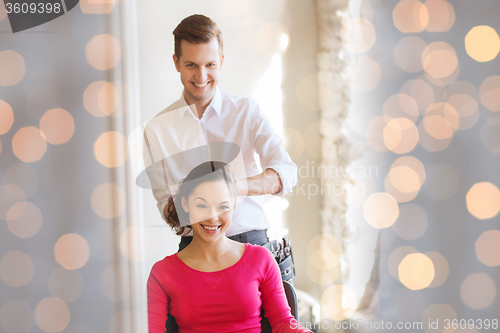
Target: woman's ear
x: 185, y: 204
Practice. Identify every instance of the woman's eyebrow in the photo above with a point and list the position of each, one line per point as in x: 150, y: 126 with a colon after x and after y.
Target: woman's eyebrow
x: 200, y: 199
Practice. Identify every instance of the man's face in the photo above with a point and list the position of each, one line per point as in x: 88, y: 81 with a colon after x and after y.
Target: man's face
x: 199, y: 65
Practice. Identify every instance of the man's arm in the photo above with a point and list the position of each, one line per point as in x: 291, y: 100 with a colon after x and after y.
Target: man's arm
x: 280, y: 173
x: 268, y: 182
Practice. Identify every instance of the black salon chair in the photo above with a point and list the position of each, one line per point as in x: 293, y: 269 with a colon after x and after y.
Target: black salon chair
x: 291, y: 296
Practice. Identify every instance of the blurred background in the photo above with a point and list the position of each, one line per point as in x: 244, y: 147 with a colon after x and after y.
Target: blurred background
x: 387, y: 107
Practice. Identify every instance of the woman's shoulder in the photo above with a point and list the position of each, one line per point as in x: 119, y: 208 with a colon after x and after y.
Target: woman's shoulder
x: 166, y: 263
x: 259, y: 254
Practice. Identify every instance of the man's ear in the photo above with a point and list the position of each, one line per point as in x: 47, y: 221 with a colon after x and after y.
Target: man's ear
x: 176, y: 62
x: 221, y: 61
x: 185, y: 205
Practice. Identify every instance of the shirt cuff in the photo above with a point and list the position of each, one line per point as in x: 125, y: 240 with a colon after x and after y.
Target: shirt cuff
x: 287, y: 179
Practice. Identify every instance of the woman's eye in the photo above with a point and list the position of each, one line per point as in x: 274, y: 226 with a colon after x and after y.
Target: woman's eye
x: 201, y: 206
x: 224, y: 207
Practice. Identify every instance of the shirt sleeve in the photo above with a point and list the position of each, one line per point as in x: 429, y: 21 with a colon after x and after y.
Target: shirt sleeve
x: 158, y: 304
x: 156, y: 170
x: 274, y: 300
x: 273, y: 155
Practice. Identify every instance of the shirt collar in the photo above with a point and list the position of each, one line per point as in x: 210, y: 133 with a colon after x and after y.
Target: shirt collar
x: 215, y: 104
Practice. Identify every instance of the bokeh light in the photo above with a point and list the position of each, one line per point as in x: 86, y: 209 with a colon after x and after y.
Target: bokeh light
x: 482, y: 43
x: 408, y: 54
x: 407, y: 305
x: 410, y: 16
x: 431, y: 143
x: 444, y: 81
x: 439, y: 60
x: 103, y: 52
x: 411, y: 223
x: 488, y: 248
x: 405, y: 163
x: 420, y: 91
x: 24, y: 219
x: 57, y: 126
x: 400, y: 135
x: 490, y: 92
x: 441, y: 268
x: 100, y: 98
x: 9, y: 195
x: 380, y: 210
x: 65, y: 285
x: 324, y: 251
x: 29, y: 144
x: 441, y: 15
x: 441, y: 120
x: 399, y: 106
x: 24, y: 176
x: 416, y: 271
x: 375, y: 133
x: 358, y: 35
x: 110, y: 149
x: 109, y: 286
x: 97, y: 7
x: 442, y: 182
x: 322, y: 277
x: 338, y: 302
x: 478, y: 291
x: 365, y: 75
x: 294, y: 143
x: 439, y: 313
x: 361, y: 8
x: 483, y: 200
x: 130, y: 243
x: 16, y: 317
x: 12, y: 68
x: 16, y: 268
x: 6, y: 117
x: 396, y: 257
x: 72, y: 251
x: 108, y: 200
x: 52, y: 315
x: 308, y: 92
x: 490, y: 134
x: 467, y: 109
x: 405, y: 179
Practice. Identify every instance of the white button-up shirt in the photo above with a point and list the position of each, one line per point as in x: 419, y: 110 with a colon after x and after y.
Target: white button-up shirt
x: 226, y: 119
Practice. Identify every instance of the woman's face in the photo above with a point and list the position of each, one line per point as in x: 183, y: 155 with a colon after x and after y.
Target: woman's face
x: 210, y: 207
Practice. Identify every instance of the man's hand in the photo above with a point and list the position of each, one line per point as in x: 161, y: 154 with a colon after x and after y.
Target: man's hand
x: 268, y: 182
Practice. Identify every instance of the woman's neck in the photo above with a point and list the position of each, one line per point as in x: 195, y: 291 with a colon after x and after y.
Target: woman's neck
x: 209, y: 251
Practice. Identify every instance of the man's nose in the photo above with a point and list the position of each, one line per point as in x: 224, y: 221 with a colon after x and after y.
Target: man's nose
x: 202, y: 74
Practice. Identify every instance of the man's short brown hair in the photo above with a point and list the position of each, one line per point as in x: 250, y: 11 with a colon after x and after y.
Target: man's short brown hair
x: 196, y: 29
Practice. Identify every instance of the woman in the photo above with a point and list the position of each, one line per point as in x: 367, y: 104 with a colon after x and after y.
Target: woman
x: 215, y: 284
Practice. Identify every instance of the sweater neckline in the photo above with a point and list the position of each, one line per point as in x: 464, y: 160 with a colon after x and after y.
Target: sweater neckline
x: 222, y: 270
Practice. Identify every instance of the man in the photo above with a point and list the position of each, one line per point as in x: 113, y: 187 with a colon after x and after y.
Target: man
x: 205, y: 115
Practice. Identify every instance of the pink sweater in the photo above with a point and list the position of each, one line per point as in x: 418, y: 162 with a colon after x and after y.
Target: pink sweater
x: 228, y: 300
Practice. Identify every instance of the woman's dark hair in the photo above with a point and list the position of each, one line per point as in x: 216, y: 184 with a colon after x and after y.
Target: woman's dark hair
x: 211, y: 171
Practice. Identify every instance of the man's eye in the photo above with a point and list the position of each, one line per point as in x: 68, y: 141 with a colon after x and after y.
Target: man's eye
x: 190, y: 65
x: 211, y: 65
